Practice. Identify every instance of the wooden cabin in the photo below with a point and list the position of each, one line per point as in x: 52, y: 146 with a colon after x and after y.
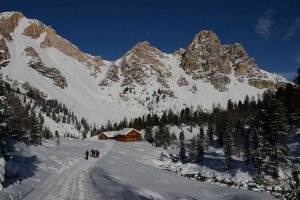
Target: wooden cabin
x: 128, y: 135
x: 108, y: 135
x: 124, y: 135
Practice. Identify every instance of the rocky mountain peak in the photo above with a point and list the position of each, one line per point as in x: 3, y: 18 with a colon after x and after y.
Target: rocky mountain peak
x: 137, y: 65
x: 8, y: 22
x: 207, y: 59
x: 206, y: 40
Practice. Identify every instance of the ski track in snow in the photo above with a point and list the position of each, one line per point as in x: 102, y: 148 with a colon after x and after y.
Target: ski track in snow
x: 71, y: 181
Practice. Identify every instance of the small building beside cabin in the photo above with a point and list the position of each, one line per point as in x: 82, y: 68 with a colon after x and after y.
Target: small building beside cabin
x: 108, y: 135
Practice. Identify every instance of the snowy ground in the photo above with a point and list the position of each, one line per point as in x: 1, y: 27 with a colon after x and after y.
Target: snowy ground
x: 123, y: 171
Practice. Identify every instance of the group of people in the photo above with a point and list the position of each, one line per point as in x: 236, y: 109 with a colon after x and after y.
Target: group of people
x: 94, y: 153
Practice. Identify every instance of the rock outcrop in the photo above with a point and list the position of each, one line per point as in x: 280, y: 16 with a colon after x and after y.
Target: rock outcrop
x: 206, y: 58
x: 36, y: 63
x: 4, y: 53
x: 35, y: 29
x: 8, y: 22
x: 140, y: 63
x: 55, y: 41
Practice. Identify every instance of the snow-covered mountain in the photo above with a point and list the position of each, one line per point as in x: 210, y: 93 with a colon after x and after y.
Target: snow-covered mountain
x: 145, y: 79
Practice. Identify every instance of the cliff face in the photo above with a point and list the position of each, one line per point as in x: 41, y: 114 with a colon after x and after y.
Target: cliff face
x: 206, y: 58
x: 8, y: 22
x: 4, y: 53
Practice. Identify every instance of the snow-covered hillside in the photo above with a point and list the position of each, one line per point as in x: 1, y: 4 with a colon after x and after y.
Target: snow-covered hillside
x: 65, y: 174
x: 144, y: 80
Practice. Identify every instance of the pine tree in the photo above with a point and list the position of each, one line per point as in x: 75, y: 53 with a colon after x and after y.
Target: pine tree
x: 255, y: 144
x: 18, y: 118
x: 239, y: 137
x: 182, y: 151
x: 161, y: 158
x: 274, y: 131
x: 199, y: 152
x: 181, y: 136
x: 193, y: 149
x: 227, y: 147
x: 202, y: 138
x: 173, y: 137
x: 159, y: 136
x: 35, y: 129
x: 148, y: 135
x: 210, y: 134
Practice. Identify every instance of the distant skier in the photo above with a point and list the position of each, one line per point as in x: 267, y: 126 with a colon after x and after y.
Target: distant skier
x: 87, y: 154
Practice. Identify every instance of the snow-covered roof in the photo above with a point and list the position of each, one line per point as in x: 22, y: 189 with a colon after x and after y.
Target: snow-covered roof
x: 110, y: 134
x: 125, y: 131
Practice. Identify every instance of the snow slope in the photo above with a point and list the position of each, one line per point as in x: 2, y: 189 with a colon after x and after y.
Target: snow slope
x: 123, y: 171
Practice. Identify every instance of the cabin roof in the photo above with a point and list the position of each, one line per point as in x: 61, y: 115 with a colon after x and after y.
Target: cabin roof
x: 110, y: 134
x: 125, y: 131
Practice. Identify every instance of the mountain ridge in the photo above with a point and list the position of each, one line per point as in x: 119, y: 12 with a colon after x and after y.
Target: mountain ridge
x: 101, y: 90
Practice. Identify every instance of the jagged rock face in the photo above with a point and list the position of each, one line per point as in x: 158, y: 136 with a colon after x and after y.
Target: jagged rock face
x: 141, y: 62
x: 260, y: 84
x: 55, y: 41
x: 34, y: 30
x: 112, y: 74
x: 205, y: 58
x: 4, y: 53
x: 142, y: 59
x: 8, y: 23
x: 36, y: 63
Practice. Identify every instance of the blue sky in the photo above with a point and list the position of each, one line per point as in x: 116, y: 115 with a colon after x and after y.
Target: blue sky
x: 269, y: 30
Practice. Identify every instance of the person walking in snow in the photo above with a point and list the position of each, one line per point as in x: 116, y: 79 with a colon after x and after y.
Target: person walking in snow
x: 87, y: 154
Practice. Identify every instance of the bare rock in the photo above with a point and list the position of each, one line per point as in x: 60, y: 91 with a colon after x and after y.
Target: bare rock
x: 35, y: 29
x: 182, y: 82
x: 142, y: 62
x: 8, y: 23
x: 4, y: 53
x: 36, y: 63
x: 55, y: 41
x: 261, y: 84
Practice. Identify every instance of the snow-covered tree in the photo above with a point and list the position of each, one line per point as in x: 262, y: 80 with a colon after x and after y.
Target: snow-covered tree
x: 193, y: 149
x: 227, y: 147
x: 274, y: 132
x: 148, y: 135
x: 182, y: 150
x: 35, y: 129
x: 181, y: 136
x: 18, y: 118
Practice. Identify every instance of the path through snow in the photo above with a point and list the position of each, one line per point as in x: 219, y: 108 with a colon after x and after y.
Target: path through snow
x: 72, y: 179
